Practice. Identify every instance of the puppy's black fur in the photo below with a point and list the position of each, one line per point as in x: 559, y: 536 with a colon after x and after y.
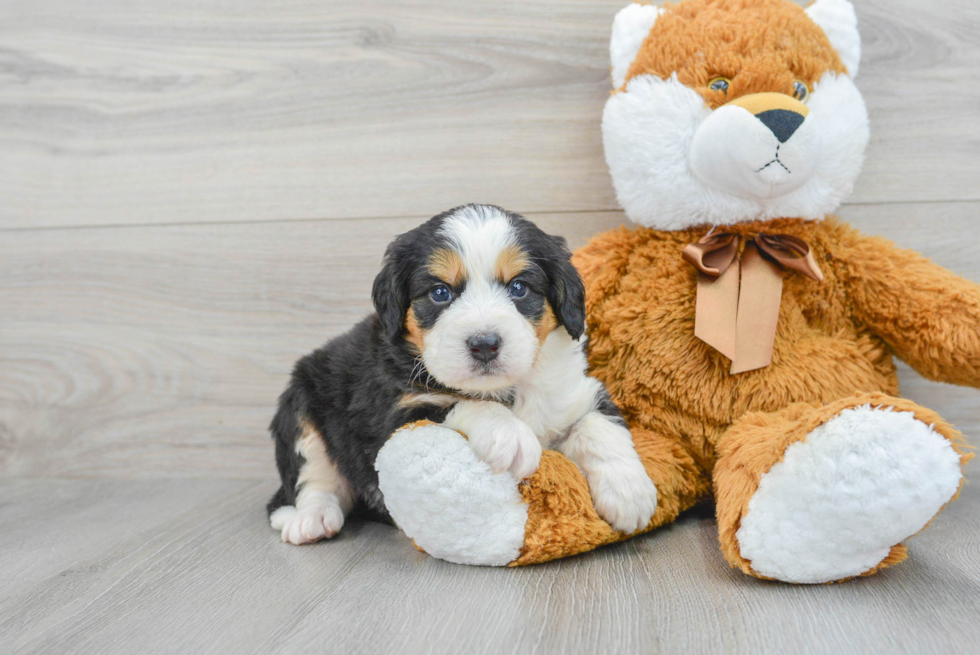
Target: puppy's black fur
x: 349, y: 391
x: 350, y: 388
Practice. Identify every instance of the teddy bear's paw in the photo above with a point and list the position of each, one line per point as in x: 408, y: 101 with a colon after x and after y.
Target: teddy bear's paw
x: 624, y: 495
x: 449, y: 501
x: 839, y: 500
x: 308, y: 524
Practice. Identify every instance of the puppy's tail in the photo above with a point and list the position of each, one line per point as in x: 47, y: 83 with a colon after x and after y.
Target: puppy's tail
x: 278, y: 500
x: 279, y: 514
x: 285, y: 430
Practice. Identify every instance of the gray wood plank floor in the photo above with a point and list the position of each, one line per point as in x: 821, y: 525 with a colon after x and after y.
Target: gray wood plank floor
x: 189, y: 566
x: 195, y: 193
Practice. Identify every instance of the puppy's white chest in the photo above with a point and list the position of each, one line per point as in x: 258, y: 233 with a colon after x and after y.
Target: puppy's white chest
x: 558, y: 392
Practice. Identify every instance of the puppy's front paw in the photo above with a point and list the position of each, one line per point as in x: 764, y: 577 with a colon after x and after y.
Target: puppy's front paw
x: 624, y: 496
x: 309, y: 524
x: 507, y: 446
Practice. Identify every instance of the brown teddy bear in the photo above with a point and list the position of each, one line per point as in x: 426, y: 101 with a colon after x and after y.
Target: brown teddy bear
x: 746, y: 334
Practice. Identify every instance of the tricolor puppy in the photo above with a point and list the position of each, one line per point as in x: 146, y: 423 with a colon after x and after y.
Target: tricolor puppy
x: 479, y: 327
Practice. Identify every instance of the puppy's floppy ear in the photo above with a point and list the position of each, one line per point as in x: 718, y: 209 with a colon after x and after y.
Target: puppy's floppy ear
x: 390, y: 294
x: 566, y: 293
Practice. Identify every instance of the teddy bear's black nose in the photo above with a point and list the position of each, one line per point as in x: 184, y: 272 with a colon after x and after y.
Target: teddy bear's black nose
x: 781, y: 122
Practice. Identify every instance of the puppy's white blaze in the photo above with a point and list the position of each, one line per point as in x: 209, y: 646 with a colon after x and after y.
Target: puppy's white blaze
x: 649, y: 137
x: 480, y: 234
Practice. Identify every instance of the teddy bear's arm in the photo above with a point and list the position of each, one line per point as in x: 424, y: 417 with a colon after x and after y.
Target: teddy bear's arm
x: 927, y: 314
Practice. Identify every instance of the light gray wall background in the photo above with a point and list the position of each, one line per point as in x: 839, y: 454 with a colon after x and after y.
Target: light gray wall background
x: 195, y: 193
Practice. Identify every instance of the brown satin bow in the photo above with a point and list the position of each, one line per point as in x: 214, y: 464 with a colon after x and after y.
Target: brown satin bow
x: 737, y: 317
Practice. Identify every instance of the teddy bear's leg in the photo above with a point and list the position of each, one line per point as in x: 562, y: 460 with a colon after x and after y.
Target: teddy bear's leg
x: 819, y: 494
x: 455, y: 508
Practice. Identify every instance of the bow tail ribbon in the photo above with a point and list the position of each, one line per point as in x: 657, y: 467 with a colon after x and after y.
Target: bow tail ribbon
x: 738, y: 298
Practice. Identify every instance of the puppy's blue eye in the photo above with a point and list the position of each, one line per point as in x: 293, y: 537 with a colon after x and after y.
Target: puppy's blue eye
x: 440, y: 295
x: 517, y: 289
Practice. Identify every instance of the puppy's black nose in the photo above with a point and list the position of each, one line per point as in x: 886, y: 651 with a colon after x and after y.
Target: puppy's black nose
x: 484, y: 347
x: 781, y: 122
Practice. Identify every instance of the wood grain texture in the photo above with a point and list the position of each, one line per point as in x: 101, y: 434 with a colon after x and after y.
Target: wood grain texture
x: 129, y: 113
x: 184, y: 567
x: 194, y: 194
x: 159, y: 351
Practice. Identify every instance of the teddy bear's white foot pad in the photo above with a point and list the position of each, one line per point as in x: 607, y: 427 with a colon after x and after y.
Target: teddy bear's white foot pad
x: 448, y: 501
x: 839, y: 500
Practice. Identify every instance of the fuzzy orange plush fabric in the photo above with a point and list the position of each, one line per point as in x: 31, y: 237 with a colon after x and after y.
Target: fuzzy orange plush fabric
x: 703, y: 433
x: 760, y: 45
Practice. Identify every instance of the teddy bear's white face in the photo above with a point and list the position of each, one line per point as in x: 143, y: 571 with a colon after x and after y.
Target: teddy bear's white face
x: 738, y: 130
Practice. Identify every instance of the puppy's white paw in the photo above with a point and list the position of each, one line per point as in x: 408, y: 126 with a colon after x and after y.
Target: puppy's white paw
x: 623, y: 494
x: 309, y: 524
x: 497, y: 437
x: 510, y: 446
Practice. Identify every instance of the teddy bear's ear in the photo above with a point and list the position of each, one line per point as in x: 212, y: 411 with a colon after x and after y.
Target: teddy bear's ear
x: 839, y: 22
x: 630, y: 28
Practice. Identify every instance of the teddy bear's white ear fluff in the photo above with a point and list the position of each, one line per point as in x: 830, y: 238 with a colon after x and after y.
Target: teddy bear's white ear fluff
x: 839, y: 22
x: 630, y: 28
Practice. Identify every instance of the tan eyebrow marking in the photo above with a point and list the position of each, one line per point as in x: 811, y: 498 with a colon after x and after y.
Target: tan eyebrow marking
x: 511, y: 262
x: 448, y: 266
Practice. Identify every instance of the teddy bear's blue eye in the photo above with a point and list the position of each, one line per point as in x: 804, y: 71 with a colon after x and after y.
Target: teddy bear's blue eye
x: 517, y: 289
x: 440, y: 295
x: 719, y: 84
x: 800, y: 90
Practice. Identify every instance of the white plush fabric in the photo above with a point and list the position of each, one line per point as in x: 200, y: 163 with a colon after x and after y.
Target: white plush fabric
x: 733, y: 151
x: 447, y: 500
x: 839, y: 22
x: 858, y: 485
x: 650, y: 129
x: 630, y: 28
